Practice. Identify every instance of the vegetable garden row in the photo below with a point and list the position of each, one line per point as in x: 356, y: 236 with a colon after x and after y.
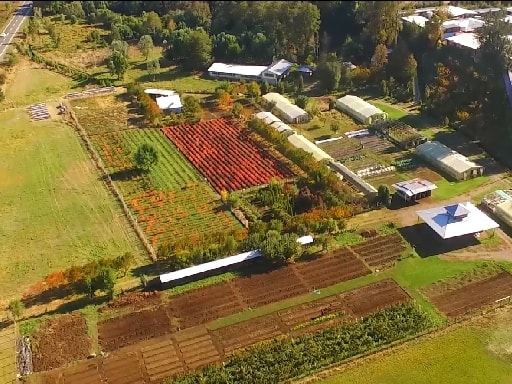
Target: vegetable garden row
x: 225, y: 156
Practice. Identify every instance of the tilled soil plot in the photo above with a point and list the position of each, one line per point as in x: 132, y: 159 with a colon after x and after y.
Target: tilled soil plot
x: 205, y: 304
x: 474, y: 295
x: 338, y: 266
x: 134, y: 300
x: 371, y: 298
x: 137, y: 326
x: 381, y: 251
x: 60, y: 341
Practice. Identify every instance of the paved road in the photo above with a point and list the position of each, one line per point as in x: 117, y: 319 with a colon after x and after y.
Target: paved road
x: 13, y: 26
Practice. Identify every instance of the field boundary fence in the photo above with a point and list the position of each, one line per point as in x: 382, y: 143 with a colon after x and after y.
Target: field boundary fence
x: 111, y: 186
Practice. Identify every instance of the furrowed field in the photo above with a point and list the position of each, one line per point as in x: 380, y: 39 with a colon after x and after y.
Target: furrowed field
x: 54, y: 211
x: 174, y: 193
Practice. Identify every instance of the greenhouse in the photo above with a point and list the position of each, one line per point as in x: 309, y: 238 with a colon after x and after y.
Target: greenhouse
x: 299, y: 141
x: 360, y: 110
x: 288, y: 111
x: 449, y: 161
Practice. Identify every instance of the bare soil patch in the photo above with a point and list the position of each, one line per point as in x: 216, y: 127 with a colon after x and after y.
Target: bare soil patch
x: 60, y: 341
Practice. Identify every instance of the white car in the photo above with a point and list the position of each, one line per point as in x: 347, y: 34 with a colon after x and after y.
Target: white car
x: 3, y: 34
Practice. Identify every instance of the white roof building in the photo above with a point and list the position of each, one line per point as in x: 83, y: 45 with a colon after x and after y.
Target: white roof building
x: 299, y: 141
x: 276, y: 123
x: 457, y: 220
x: 360, y: 110
x: 288, y: 111
x: 449, y: 161
x: 165, y: 99
x: 500, y: 203
x: 416, y: 19
x: 462, y: 25
x: 414, y: 189
x: 464, y: 40
x: 235, y: 69
x: 459, y: 12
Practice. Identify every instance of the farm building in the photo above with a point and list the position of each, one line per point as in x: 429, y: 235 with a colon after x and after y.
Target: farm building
x: 289, y: 111
x: 457, y: 220
x: 415, y: 189
x: 167, y: 101
x: 362, y: 186
x: 360, y: 110
x: 236, y: 72
x: 275, y: 122
x: 500, y: 203
x: 299, y: 141
x: 449, y: 161
x: 271, y: 74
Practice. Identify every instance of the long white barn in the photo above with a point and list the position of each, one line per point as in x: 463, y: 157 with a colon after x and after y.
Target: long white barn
x: 271, y: 74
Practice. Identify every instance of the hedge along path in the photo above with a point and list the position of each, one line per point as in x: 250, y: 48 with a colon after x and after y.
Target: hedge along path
x: 110, y: 185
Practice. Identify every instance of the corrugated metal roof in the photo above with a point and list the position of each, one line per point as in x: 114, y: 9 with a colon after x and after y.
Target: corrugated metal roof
x: 357, y: 107
x: 436, y: 151
x: 301, y: 142
x: 235, y: 69
x: 414, y: 186
x: 285, y: 106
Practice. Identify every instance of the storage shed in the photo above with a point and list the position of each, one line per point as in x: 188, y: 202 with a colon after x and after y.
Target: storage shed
x: 499, y: 203
x: 289, y: 111
x: 299, y: 141
x: 449, y: 161
x: 415, y: 189
x: 360, y: 110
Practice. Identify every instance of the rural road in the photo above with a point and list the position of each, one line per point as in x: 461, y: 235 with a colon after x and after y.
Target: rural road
x: 13, y: 26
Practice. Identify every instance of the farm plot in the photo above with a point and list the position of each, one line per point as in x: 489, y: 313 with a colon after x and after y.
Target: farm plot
x: 118, y: 332
x: 340, y: 265
x: 379, y: 145
x: 474, y: 295
x: 382, y: 251
x: 225, y: 155
x: 60, y: 341
x: 343, y: 148
x: 173, y: 201
x: 205, y: 304
x: 123, y: 369
x: 197, y: 348
x: 7, y: 355
x: 162, y: 360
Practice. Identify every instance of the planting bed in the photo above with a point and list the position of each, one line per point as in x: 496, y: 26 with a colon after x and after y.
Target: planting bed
x: 225, y: 155
x: 170, y: 203
x: 382, y: 251
x: 343, y: 148
x: 60, y: 341
x: 191, y: 349
x: 118, y: 332
x: 340, y: 265
x: 474, y: 295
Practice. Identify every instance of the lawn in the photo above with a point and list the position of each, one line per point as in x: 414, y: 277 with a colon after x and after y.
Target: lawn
x: 55, y: 211
x: 449, y: 189
x: 173, y: 201
x: 32, y: 85
x: 319, y: 127
x: 459, y: 356
x: 393, y: 113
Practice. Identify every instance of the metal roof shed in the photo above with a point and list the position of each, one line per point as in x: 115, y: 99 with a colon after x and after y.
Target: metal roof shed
x: 412, y: 190
x: 289, y: 111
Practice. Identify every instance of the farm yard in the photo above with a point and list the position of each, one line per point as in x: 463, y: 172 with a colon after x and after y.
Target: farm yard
x: 227, y: 157
x: 193, y: 348
x: 173, y: 193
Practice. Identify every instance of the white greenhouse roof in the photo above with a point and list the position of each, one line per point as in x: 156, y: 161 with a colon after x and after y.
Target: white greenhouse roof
x: 272, y: 120
x: 305, y: 240
x: 414, y: 186
x: 359, y: 106
x: 284, y: 105
x: 446, y: 223
x: 458, y: 11
x: 280, y: 67
x: 467, y: 40
x: 212, y: 265
x: 169, y: 102
x: 416, y: 19
x: 161, y: 92
x: 301, y: 142
x: 235, y: 69
x: 434, y: 150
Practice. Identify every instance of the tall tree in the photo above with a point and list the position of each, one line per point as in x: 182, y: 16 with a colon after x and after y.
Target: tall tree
x: 199, y: 47
x: 381, y: 20
x: 145, y: 45
x: 153, y: 66
x: 118, y: 64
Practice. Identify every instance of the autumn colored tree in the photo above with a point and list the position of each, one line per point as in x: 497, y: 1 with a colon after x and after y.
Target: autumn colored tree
x: 237, y: 109
x: 224, y: 195
x: 55, y: 279
x: 224, y: 101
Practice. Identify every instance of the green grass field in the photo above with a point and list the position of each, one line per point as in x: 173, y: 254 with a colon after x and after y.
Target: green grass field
x: 449, y: 189
x: 174, y: 200
x: 460, y: 356
x: 54, y: 211
x: 393, y: 113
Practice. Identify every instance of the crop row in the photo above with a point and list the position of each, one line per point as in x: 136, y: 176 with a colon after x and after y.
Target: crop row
x: 227, y: 158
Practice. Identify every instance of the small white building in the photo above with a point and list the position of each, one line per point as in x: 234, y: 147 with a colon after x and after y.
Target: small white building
x: 420, y: 21
x: 275, y: 122
x: 299, y: 141
x: 276, y: 71
x: 360, y: 110
x: 168, y: 101
x: 464, y: 40
x: 288, y: 111
x: 449, y: 161
x: 271, y: 74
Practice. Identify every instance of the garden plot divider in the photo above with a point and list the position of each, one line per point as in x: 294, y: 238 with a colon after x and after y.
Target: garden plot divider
x: 111, y: 187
